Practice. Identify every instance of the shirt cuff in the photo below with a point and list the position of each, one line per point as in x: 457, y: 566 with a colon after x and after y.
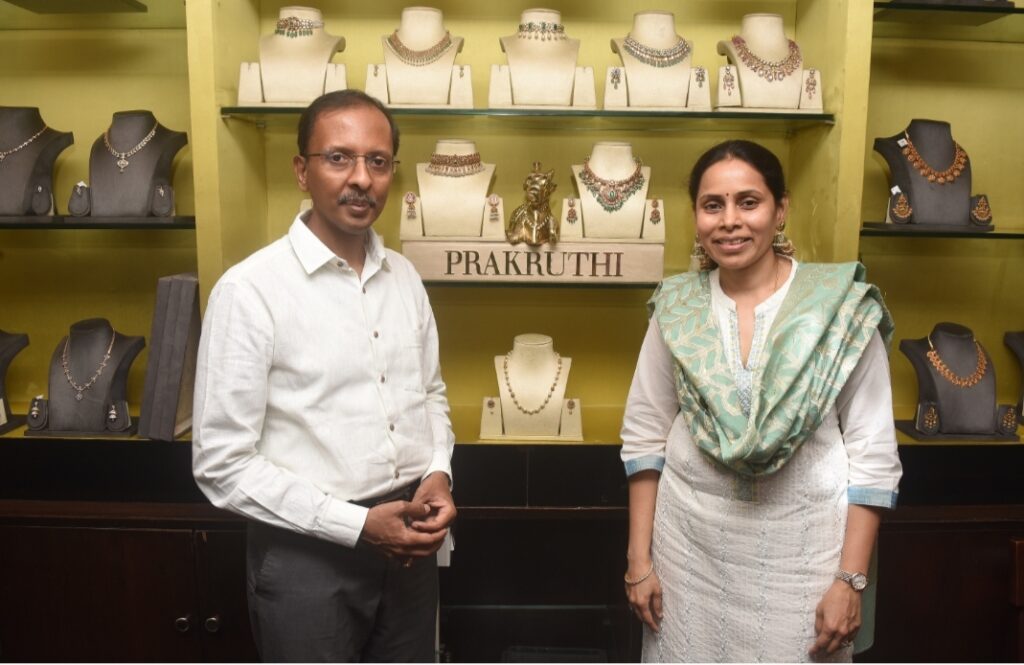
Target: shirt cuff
x: 645, y: 463
x: 341, y: 522
x: 440, y: 462
x: 870, y: 496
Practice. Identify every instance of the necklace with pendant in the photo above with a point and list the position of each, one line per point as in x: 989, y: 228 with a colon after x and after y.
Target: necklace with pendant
x: 611, y: 194
x: 122, y: 157
x: 551, y: 390
x: 771, y: 71
x: 946, y: 373
x: 418, y: 58
x: 66, y: 364
x: 943, y: 177
x: 4, y: 154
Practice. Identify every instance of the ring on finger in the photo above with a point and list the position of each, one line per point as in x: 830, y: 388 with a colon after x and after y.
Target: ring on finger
x: 846, y: 643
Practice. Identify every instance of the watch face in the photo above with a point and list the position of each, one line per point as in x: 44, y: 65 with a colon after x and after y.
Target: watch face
x: 859, y: 582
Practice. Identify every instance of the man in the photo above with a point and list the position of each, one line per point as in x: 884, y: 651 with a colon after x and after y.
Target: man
x: 320, y: 413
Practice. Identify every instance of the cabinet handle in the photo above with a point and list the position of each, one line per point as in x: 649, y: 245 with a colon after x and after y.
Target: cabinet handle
x: 182, y: 624
x: 212, y: 624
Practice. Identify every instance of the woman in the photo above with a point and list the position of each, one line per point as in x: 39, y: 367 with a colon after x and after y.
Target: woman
x: 758, y: 436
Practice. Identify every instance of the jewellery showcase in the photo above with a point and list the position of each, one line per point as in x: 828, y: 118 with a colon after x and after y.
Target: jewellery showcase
x: 452, y: 229
x: 930, y: 182
x: 531, y: 402
x: 11, y: 344
x: 28, y: 151
x: 956, y: 388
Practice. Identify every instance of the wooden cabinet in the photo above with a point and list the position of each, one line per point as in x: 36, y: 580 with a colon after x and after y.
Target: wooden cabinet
x: 109, y: 582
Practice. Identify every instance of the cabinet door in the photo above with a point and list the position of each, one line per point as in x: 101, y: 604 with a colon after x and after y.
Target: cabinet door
x: 89, y: 594
x: 223, y: 611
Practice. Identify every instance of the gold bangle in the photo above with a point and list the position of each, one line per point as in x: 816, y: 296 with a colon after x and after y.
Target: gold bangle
x: 643, y: 577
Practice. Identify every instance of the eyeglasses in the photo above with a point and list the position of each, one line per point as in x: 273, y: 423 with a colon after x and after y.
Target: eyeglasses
x: 343, y: 161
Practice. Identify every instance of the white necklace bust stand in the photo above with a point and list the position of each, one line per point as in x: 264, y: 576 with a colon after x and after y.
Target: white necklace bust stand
x: 102, y: 407
x: 640, y: 86
x: 741, y: 89
x: 541, y: 72
x: 401, y: 84
x: 295, y: 67
x: 534, y: 376
x: 611, y: 160
x: 10, y: 345
x: 450, y: 206
x: 26, y: 172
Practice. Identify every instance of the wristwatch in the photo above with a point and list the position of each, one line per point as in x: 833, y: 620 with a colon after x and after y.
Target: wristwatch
x: 859, y: 581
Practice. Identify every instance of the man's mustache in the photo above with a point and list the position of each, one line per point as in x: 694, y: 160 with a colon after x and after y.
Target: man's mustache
x: 361, y: 198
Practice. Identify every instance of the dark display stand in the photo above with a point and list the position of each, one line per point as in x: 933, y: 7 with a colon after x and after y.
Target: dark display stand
x: 136, y: 182
x: 1015, y: 340
x: 98, y: 405
x: 10, y: 345
x: 928, y: 205
x: 170, y: 374
x: 26, y: 170
x: 947, y: 411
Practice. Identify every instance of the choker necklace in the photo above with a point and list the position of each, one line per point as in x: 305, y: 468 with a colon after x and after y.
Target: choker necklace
x: 655, y: 57
x: 454, y: 166
x: 543, y: 30
x: 4, y: 154
x: 122, y: 157
x: 551, y: 390
x: 771, y: 71
x: 64, y: 362
x: 293, y: 26
x: 948, y: 375
x: 611, y: 194
x: 418, y: 58
x: 942, y: 177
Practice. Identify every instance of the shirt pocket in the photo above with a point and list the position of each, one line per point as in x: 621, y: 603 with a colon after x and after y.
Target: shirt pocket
x: 408, y: 362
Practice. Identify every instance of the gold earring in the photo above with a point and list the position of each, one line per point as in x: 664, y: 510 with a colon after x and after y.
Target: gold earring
x: 781, y: 244
x: 700, y: 255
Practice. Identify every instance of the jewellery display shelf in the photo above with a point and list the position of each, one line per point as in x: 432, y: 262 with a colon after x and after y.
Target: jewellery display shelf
x: 938, y: 274
x: 244, y: 197
x: 58, y: 222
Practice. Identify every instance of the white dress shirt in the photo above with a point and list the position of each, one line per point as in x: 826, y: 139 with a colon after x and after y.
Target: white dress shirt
x: 316, y: 386
x: 653, y: 419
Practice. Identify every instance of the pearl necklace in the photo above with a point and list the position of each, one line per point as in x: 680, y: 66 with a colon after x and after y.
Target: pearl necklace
x: 551, y: 390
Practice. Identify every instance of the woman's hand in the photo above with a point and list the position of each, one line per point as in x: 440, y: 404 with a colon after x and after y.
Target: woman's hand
x: 836, y: 619
x: 645, y: 597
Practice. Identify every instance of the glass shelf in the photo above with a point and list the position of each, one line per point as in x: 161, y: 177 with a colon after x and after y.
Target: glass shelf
x: 563, y: 119
x: 92, y: 15
x: 900, y: 231
x: 922, y: 20
x: 59, y: 222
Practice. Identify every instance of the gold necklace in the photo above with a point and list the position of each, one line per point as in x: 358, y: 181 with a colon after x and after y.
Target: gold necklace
x: 65, y: 363
x: 454, y: 166
x: 942, y: 177
x: 948, y: 375
x: 4, y: 154
x: 122, y: 157
x: 418, y: 58
x: 771, y: 71
x: 612, y: 194
x: 551, y: 390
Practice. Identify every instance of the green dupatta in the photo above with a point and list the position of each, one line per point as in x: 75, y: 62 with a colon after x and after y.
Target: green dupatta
x: 823, y: 326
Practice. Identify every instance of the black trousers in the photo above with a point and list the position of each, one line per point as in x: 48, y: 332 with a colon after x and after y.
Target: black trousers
x: 315, y: 601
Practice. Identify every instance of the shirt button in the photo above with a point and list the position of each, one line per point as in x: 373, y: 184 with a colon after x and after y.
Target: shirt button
x: 396, y: 474
x: 341, y: 264
x: 382, y: 379
x: 376, y: 334
x: 364, y: 289
x: 391, y: 427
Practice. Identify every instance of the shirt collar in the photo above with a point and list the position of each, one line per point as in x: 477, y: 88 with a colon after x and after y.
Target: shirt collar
x: 314, y: 254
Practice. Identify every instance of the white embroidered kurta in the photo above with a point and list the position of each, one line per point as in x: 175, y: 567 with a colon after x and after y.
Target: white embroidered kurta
x: 743, y: 563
